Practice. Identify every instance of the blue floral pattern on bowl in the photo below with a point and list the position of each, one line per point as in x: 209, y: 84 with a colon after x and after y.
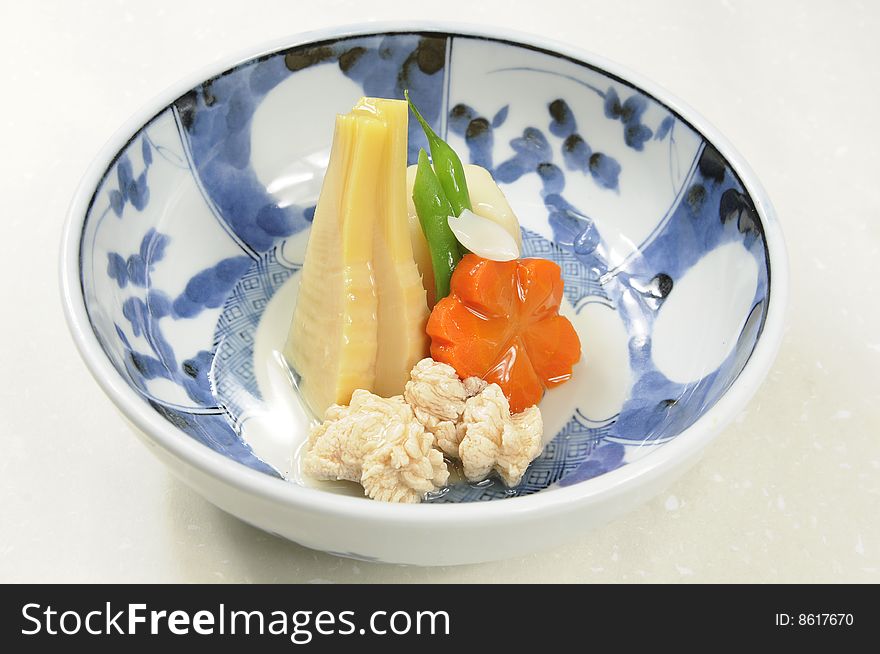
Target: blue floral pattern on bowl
x: 181, y: 245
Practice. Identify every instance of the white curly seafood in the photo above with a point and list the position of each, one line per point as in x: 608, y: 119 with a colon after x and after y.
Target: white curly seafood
x: 390, y: 445
x: 379, y: 443
x: 437, y: 397
x: 493, y: 439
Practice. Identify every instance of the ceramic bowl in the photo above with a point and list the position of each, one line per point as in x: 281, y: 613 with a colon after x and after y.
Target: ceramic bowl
x: 184, y: 242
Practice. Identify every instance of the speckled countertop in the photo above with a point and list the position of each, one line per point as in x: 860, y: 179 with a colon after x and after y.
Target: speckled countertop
x: 789, y: 492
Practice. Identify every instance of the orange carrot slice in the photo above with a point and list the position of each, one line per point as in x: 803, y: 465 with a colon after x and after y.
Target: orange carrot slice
x: 501, y: 322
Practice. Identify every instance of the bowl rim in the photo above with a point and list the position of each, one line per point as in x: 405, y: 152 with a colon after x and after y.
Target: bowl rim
x: 310, y: 500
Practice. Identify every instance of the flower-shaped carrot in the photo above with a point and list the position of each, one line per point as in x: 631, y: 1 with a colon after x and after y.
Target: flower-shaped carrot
x: 501, y: 322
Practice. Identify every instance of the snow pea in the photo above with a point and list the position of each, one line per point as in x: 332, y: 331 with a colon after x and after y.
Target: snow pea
x: 433, y: 209
x: 447, y: 166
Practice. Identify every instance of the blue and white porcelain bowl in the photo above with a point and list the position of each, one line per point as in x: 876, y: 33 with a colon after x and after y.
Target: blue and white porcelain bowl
x: 192, y: 221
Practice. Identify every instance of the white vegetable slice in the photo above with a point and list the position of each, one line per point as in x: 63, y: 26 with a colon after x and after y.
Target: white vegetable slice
x: 483, y: 237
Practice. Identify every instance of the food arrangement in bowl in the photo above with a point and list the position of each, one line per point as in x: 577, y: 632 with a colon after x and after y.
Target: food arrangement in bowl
x: 361, y: 327
x: 503, y: 281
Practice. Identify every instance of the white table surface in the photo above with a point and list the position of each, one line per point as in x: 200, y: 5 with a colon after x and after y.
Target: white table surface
x: 790, y: 492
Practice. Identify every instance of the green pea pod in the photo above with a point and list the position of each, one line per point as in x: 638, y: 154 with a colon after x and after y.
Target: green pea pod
x: 433, y: 209
x: 447, y: 166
